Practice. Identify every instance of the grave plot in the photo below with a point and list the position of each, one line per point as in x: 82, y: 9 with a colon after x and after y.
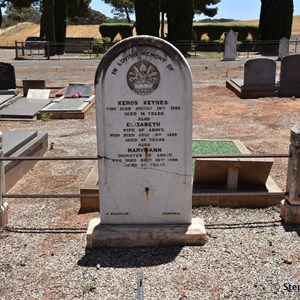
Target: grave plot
x: 21, y: 144
x: 68, y: 108
x: 75, y: 103
x: 240, y: 176
x: 259, y: 79
x: 213, y: 176
x: 23, y: 109
x: 7, y: 99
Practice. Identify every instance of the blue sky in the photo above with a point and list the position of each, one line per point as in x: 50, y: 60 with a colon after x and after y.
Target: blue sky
x: 229, y: 9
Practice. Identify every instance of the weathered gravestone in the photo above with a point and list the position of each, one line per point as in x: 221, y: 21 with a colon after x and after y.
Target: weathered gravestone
x: 7, y: 76
x: 144, y: 129
x: 78, y: 91
x: 283, y: 48
x: 230, y: 46
x: 259, y: 79
x: 289, y: 82
x: 33, y: 84
x: 38, y: 94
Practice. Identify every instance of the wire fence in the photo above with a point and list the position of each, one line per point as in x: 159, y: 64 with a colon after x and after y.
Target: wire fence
x: 78, y: 158
x: 88, y: 49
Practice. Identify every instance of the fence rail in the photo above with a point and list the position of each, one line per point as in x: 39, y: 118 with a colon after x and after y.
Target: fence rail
x: 89, y: 49
x: 95, y: 157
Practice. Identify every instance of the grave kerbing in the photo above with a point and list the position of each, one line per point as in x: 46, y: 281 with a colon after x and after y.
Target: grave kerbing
x: 144, y: 129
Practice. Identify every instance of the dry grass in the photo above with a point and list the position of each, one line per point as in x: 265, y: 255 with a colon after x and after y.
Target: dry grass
x: 19, y: 32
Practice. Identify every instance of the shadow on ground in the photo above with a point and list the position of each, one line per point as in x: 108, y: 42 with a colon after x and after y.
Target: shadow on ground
x: 128, y: 257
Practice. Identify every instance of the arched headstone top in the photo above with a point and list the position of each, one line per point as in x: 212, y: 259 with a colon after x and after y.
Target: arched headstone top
x: 129, y: 45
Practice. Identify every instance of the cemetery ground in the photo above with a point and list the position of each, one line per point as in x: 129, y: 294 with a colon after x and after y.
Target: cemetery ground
x: 250, y: 254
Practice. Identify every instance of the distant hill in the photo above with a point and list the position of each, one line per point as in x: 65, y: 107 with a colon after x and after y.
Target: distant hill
x: 20, y: 32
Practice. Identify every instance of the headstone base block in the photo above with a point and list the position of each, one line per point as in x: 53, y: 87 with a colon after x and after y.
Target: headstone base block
x: 290, y: 213
x: 144, y: 235
x: 4, y: 214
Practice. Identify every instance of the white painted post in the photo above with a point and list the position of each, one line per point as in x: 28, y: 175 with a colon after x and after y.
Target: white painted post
x: 290, y: 208
x: 3, y: 205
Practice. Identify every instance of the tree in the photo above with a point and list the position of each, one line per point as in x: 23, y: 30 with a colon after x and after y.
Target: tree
x: 180, y: 15
x: 121, y: 7
x: 60, y: 20
x: 48, y: 25
x: 276, y: 18
x: 201, y: 7
x: 147, y: 17
x: 15, y: 15
x: 78, y: 8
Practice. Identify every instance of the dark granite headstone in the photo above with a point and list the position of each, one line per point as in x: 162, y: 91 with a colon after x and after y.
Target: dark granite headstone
x: 7, y: 76
x: 33, y: 84
x: 78, y: 90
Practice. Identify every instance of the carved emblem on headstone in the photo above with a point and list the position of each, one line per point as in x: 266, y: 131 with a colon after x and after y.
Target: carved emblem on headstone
x: 143, y: 78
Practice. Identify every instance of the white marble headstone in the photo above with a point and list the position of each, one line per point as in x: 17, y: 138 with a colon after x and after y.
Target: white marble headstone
x: 283, y: 47
x: 230, y: 46
x: 144, y: 129
x: 38, y: 94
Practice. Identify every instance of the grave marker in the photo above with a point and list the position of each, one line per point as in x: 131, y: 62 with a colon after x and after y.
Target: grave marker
x: 144, y: 129
x: 230, y: 45
x: 259, y: 75
x: 7, y: 76
x: 38, y: 94
x: 33, y: 84
x: 283, y: 48
x: 289, y: 84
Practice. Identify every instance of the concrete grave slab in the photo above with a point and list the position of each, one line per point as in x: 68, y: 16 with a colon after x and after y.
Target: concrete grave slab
x: 69, y: 108
x: 24, y: 108
x: 21, y: 144
x: 5, y: 98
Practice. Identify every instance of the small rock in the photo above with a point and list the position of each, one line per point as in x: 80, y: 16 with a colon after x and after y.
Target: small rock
x: 287, y: 261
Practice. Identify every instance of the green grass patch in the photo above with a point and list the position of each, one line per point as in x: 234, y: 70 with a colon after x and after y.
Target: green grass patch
x: 207, y: 147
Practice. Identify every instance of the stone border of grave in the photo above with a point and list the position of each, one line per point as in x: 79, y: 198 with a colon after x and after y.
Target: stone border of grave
x: 290, y: 207
x: 91, y: 204
x: 3, y: 205
x: 241, y: 199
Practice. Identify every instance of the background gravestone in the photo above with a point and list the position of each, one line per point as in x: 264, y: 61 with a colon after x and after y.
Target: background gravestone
x: 289, y: 83
x: 144, y: 128
x: 7, y: 76
x: 259, y: 75
x: 230, y: 46
x: 283, y: 47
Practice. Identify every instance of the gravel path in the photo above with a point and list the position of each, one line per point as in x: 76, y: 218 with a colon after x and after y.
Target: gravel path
x: 250, y: 254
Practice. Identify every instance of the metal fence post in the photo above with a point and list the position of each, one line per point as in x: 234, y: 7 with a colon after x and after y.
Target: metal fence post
x: 3, y: 205
x: 290, y: 207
